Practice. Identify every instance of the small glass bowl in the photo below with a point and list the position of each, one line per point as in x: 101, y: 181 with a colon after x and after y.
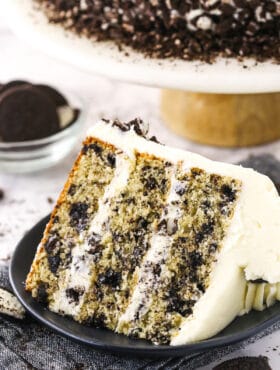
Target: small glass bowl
x: 34, y: 155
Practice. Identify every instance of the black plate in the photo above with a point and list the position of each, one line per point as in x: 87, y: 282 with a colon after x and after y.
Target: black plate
x: 242, y: 327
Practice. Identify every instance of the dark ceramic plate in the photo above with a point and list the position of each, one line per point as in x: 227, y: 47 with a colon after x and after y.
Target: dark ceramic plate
x: 240, y: 329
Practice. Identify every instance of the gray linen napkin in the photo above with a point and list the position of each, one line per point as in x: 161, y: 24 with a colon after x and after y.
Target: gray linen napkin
x: 25, y: 344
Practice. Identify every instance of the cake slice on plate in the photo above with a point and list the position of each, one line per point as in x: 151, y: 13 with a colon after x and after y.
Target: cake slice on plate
x: 158, y: 243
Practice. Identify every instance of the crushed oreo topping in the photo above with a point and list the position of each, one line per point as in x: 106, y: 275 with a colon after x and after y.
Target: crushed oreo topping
x: 258, y: 281
x: 137, y: 125
x: 155, y: 140
x: 189, y: 30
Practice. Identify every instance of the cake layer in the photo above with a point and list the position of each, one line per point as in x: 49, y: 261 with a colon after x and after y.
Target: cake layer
x: 125, y: 237
x: 186, y: 29
x: 177, y: 269
x: 70, y: 220
x: 154, y: 242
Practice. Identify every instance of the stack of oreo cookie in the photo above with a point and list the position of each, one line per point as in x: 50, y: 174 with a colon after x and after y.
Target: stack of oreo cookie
x: 30, y: 112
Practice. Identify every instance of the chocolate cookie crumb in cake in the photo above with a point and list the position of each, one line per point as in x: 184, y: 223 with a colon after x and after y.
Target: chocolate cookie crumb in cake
x: 185, y: 29
x: 153, y: 242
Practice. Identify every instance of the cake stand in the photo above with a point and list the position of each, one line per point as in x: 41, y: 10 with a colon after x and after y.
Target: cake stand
x: 227, y: 103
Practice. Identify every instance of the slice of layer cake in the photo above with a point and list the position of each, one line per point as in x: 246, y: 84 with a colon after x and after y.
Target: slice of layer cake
x: 158, y: 243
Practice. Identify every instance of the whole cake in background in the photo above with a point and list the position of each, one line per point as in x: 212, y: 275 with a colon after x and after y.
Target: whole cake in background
x: 187, y: 29
x: 158, y: 243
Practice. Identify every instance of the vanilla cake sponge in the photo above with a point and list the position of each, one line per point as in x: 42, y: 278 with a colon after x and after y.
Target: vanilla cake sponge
x: 154, y: 242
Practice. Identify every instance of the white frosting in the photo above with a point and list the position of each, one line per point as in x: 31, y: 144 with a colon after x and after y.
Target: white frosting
x: 83, y: 5
x: 66, y: 115
x: 252, y: 245
x: 141, y: 297
x: 9, y: 305
x: 158, y: 252
x: 204, y: 23
x: 123, y: 168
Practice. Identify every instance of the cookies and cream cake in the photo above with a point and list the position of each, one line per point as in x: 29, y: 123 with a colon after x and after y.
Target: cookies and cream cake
x: 187, y: 29
x: 158, y: 243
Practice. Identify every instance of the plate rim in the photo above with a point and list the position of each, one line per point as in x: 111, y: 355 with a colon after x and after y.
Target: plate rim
x: 153, y: 350
x: 104, y: 58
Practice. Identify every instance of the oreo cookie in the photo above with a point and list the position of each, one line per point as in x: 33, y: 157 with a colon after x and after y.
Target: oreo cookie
x: 58, y: 99
x: 26, y: 113
x: 12, y: 84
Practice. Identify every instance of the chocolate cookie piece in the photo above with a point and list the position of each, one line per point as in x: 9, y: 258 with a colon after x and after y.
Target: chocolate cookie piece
x: 76, y: 115
x: 245, y: 363
x: 58, y: 99
x: 26, y: 113
x: 12, y: 84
